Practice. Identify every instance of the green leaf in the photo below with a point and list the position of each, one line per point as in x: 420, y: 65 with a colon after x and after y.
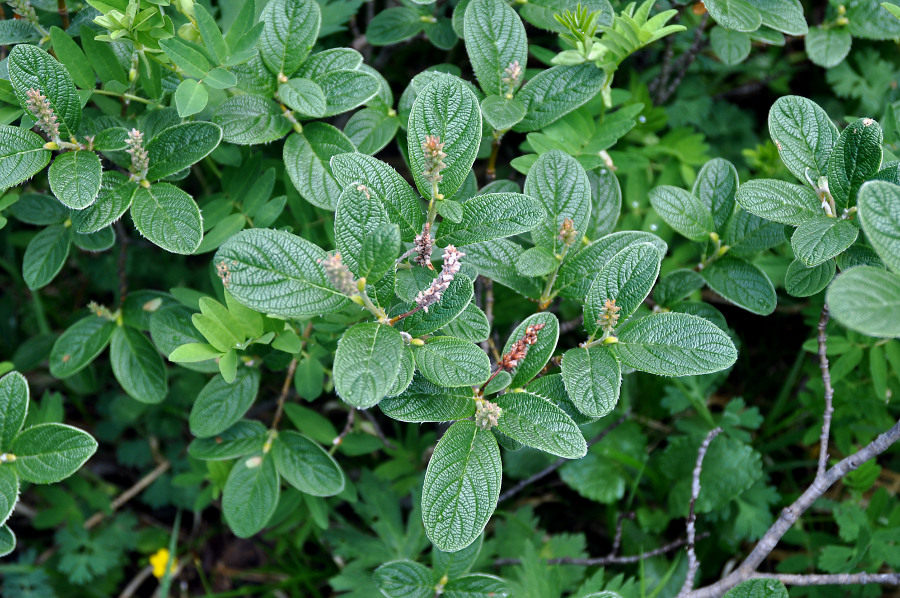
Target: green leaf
x: 307, y: 158
x: 732, y: 47
x: 186, y: 58
x: 289, y: 33
x: 328, y: 61
x: 379, y: 252
x: 456, y: 564
x: 102, y: 57
x: 212, y: 37
x: 20, y: 31
x: 306, y: 466
x: 250, y: 119
x: 190, y: 97
x: 69, y: 53
x: 716, y: 185
x: 194, y: 352
x: 738, y: 15
x: 347, y: 89
x: 75, y: 178
x: 423, y: 401
x: 404, y: 375
x: 393, y: 25
x: 867, y: 299
x: 137, y: 365
x: 276, y: 272
x: 497, y: 259
x: 536, y: 261
x: 819, y: 240
x: 677, y: 285
x: 242, y: 438
x: 491, y: 216
x: 407, y: 579
x: 626, y: 279
x: 22, y: 155
x: 79, y: 345
x: 219, y: 78
x: 462, y: 485
x: 856, y: 158
x: 366, y: 363
x: 385, y: 183
x: 111, y: 203
x: 827, y: 48
x: 536, y: 422
x: 32, y: 68
x: 783, y: 15
x: 452, y: 303
x: 555, y: 92
x: 741, y: 283
x: 46, y: 255
x: 683, y: 211
x: 779, y: 201
x: 477, y: 585
x: 495, y: 38
x: 747, y: 234
x: 759, y: 588
x: 502, y: 113
x: 471, y: 324
x: 675, y: 344
x: 803, y: 134
x: 371, y: 129
x: 168, y: 217
x: 13, y: 407
x: 607, y: 202
x: 180, y: 146
x: 577, y: 273
x: 9, y: 492
x: 592, y: 378
x: 449, y: 361
x: 559, y: 182
x: 7, y: 540
x: 100, y: 240
x: 448, y: 109
x: 872, y: 20
x: 358, y: 214
x: 49, y: 453
x: 879, y: 213
x: 250, y: 494
x: 303, y: 96
x: 539, y: 353
x: 219, y: 405
x: 801, y: 280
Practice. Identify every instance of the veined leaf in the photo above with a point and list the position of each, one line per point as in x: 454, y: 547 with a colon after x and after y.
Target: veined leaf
x: 190, y: 97
x: 803, y: 134
x: 243, y: 438
x: 250, y: 119
x: 539, y: 353
x: 371, y: 129
x: 827, y: 48
x: 819, y: 240
x: 407, y: 579
x: 289, y: 33
x: 306, y: 466
x: 251, y: 494
x: 477, y: 585
x: 32, y: 68
x: 330, y: 60
x: 536, y: 422
x: 75, y: 178
x: 879, y: 213
x: 759, y: 588
x: 592, y: 378
x: 393, y: 25
x: 7, y: 540
x: 557, y: 91
x: 716, y: 185
x: 855, y: 159
x: 779, y: 201
x: 491, y: 216
x: 559, y: 182
x: 347, y: 89
x: 180, y: 146
x: 14, y: 395
x: 307, y: 157
x: 22, y: 155
x: 677, y: 285
x: 495, y: 40
x: 738, y: 15
x: 741, y: 283
x: 168, y: 217
x: 9, y: 493
x: 303, y: 96
x: 220, y: 404
x: 675, y: 344
x: 449, y: 361
x: 423, y: 401
x: 137, y: 365
x: 626, y: 279
x: 748, y: 234
x: 49, y: 453
x: 683, y: 211
x: 452, y: 303
x: 358, y: 215
x: 448, y: 110
x: 462, y: 485
x: 46, y: 255
x: 366, y: 363
x: 801, y: 280
x: 277, y: 272
x: 867, y: 299
x: 112, y: 202
x: 79, y: 345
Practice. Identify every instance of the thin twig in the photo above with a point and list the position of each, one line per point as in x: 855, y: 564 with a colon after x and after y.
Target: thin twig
x: 693, y: 563
x: 839, y: 579
x: 378, y: 431
x: 487, y: 286
x: 617, y: 539
x: 285, y: 390
x: 607, y: 560
x: 122, y: 262
x: 558, y: 463
x: 63, y: 12
x: 123, y: 498
x: 351, y: 416
x: 792, y: 513
x: 684, y: 62
x: 829, y: 393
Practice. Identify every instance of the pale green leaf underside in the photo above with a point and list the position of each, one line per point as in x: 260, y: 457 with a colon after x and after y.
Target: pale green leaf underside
x: 867, y: 299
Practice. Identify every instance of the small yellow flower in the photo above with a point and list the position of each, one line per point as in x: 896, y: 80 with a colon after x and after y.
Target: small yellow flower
x: 158, y: 561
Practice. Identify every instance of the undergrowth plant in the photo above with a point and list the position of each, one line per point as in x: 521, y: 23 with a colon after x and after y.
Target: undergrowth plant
x: 556, y: 265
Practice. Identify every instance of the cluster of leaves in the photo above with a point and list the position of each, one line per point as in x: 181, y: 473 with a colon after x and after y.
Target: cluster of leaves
x: 609, y: 239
